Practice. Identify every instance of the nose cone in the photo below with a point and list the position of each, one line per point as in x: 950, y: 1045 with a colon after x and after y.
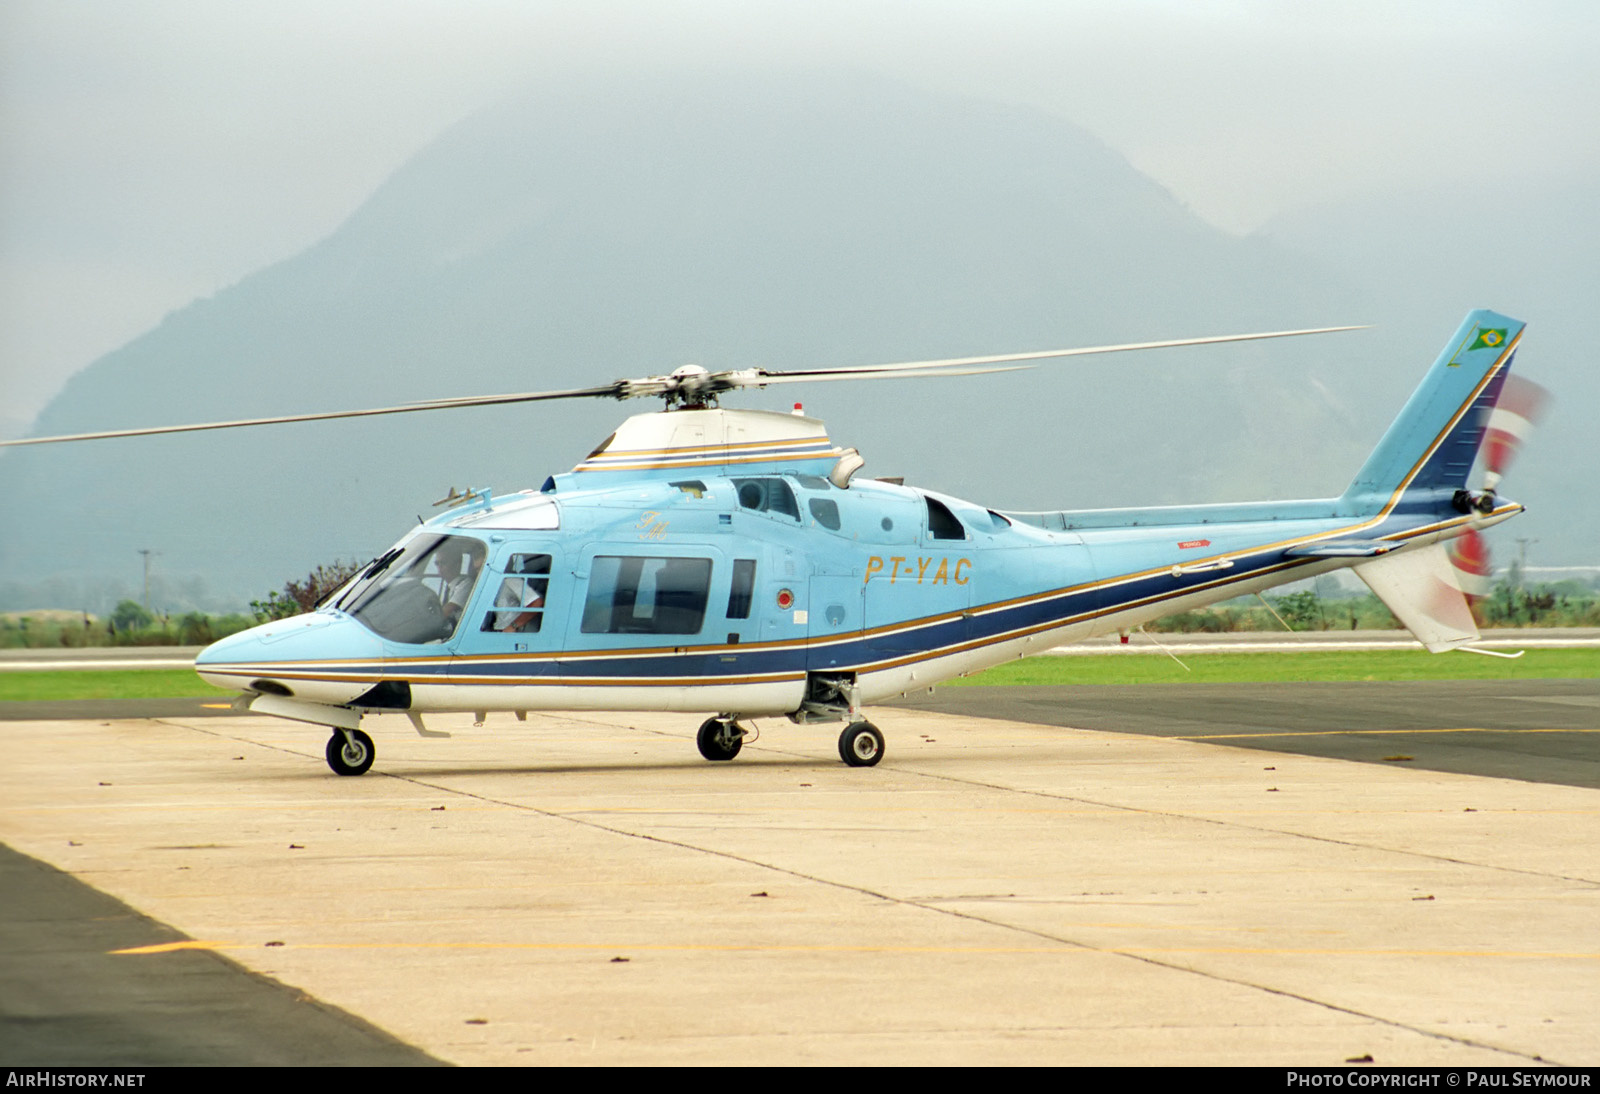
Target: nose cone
x: 322, y: 657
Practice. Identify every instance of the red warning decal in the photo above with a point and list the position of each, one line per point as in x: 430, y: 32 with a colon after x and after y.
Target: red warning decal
x: 1188, y: 543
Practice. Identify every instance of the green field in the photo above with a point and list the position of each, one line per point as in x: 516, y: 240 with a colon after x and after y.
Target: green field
x: 43, y: 687
x: 1110, y: 668
x: 1264, y: 668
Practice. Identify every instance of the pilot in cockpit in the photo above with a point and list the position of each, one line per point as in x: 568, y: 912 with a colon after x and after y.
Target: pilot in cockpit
x: 456, y: 586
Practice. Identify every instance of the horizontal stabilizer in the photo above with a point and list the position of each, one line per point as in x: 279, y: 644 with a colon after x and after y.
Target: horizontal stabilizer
x: 1420, y: 588
x: 1341, y: 548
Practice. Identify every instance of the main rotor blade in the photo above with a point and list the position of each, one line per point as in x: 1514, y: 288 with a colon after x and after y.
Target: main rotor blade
x: 608, y: 391
x: 870, y: 372
x: 934, y: 367
x: 701, y: 382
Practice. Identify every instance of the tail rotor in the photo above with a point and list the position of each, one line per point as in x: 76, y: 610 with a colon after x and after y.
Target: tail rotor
x: 1520, y: 406
x: 1469, y: 554
x: 1516, y: 412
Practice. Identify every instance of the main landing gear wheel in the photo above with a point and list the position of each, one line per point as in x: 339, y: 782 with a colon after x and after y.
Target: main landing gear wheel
x: 861, y: 745
x: 720, y: 739
x: 350, y: 756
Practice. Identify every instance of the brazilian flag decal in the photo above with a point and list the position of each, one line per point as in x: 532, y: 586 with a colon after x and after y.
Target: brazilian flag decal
x: 1491, y: 338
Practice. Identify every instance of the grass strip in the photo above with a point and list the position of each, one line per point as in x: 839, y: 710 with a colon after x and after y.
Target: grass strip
x: 1292, y: 667
x: 45, y: 687
x: 1109, y: 668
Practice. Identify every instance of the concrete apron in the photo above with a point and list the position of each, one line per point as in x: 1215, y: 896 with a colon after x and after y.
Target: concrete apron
x: 583, y: 888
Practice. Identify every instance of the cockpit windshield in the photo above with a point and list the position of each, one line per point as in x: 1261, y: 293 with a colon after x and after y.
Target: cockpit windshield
x: 417, y: 592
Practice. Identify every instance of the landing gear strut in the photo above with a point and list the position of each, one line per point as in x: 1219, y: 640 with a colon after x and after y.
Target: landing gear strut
x: 350, y: 752
x: 861, y: 745
x: 720, y: 738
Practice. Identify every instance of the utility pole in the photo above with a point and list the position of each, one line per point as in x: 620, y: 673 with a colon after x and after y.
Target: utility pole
x: 1522, y: 558
x: 147, y: 552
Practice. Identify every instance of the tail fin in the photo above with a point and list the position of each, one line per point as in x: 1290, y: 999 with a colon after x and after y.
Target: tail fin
x: 1429, y: 450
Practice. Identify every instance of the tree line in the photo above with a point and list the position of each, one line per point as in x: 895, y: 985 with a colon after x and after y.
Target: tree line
x: 1511, y: 603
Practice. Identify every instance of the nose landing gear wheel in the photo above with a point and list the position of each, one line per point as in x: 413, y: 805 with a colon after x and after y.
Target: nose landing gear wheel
x: 720, y: 739
x: 861, y: 745
x: 350, y: 756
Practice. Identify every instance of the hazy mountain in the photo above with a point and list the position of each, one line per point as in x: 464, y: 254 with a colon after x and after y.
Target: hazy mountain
x: 586, y: 232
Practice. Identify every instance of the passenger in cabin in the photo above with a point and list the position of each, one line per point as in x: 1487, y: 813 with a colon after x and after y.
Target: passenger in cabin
x: 523, y: 593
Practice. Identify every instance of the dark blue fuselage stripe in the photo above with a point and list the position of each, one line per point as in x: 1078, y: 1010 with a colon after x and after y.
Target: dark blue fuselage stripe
x: 916, y: 641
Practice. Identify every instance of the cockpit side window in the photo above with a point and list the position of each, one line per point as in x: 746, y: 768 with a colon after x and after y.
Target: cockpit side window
x: 520, y: 600
x: 417, y: 593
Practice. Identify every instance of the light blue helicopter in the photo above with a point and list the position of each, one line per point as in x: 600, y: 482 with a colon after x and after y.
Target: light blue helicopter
x: 730, y: 562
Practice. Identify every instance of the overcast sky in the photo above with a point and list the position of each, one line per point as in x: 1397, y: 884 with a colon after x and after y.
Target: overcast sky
x: 159, y: 150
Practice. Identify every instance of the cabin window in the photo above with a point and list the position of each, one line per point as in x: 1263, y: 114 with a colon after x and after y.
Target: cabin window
x: 767, y: 496
x: 519, y: 602
x: 826, y: 512
x: 942, y: 523
x: 744, y: 584
x: 629, y: 595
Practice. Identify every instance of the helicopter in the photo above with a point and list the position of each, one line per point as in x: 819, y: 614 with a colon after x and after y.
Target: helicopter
x: 732, y: 563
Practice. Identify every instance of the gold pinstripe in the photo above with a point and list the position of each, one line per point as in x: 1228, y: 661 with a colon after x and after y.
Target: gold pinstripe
x: 706, y: 461
x: 791, y: 442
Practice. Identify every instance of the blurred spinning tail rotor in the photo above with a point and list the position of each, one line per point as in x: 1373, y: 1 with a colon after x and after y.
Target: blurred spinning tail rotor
x: 1516, y: 412
x: 1520, y: 406
x: 1469, y: 554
